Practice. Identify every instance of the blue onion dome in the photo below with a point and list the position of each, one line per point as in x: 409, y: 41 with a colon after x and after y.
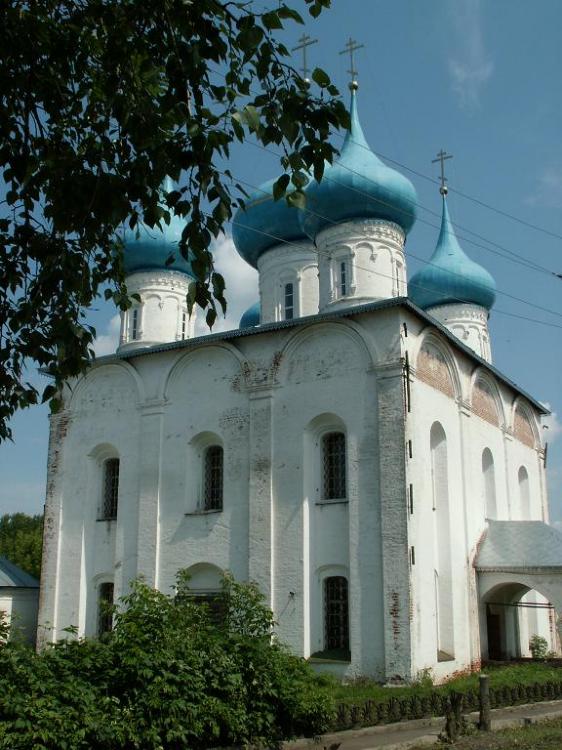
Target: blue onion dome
x: 148, y: 248
x: 358, y: 186
x: 264, y: 223
x: 451, y: 276
x: 251, y: 317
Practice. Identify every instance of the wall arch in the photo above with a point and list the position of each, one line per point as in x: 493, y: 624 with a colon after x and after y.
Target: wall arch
x: 331, y: 341
x: 485, y: 398
x: 436, y: 365
x: 112, y: 383
x: 211, y: 355
x: 524, y: 424
x: 205, y: 577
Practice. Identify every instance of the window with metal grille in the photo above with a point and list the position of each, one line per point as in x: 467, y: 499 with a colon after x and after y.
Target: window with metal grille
x: 336, y: 614
x: 105, y: 603
x: 333, y: 466
x: 343, y: 278
x: 183, y: 324
x: 289, y: 302
x: 213, y: 478
x: 135, y: 325
x: 110, y: 489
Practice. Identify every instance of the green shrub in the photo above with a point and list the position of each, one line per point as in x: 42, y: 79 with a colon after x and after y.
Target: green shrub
x: 538, y: 646
x: 167, y: 677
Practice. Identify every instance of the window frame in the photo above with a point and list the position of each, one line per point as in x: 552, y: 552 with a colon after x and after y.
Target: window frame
x: 109, y: 506
x: 212, y: 497
x: 341, y: 642
x: 104, y: 622
x: 333, y: 477
x: 289, y: 292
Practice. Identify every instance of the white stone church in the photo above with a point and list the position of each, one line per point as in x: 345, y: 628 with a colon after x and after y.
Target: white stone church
x: 350, y: 447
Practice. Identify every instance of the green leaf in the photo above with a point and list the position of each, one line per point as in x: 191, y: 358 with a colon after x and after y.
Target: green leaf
x: 280, y: 186
x: 320, y: 77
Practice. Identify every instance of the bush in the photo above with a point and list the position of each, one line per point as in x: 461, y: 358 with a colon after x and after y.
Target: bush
x: 167, y: 677
x: 538, y: 646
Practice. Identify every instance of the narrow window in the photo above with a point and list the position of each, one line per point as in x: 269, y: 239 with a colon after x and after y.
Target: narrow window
x: 336, y: 614
x: 183, y: 324
x: 135, y: 325
x: 343, y: 278
x: 489, y: 484
x: 289, y: 302
x: 524, y: 493
x: 333, y: 466
x: 213, y: 478
x: 105, y: 603
x: 110, y: 489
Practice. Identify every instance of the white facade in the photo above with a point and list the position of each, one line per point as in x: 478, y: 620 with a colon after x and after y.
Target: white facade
x: 469, y: 323
x: 421, y: 419
x: 288, y: 280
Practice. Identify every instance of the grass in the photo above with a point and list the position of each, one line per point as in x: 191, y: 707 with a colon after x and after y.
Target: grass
x: 362, y: 689
x: 542, y: 736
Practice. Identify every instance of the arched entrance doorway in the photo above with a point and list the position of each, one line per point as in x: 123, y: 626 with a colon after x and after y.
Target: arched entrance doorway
x: 513, y: 614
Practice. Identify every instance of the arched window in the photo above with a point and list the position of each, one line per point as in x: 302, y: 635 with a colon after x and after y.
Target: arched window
x: 135, y: 324
x: 442, y: 544
x: 105, y: 603
x: 524, y: 493
x: 333, y: 466
x: 289, y: 302
x: 489, y: 484
x: 110, y: 490
x: 336, y: 614
x: 343, y: 278
x: 183, y: 324
x: 213, y: 478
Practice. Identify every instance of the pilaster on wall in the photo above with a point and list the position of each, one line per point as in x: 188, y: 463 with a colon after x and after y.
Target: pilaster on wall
x: 150, y: 459
x: 394, y: 522
x: 59, y: 424
x: 261, y: 514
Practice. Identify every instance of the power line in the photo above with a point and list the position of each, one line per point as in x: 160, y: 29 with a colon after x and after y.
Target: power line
x: 462, y: 195
x: 422, y: 260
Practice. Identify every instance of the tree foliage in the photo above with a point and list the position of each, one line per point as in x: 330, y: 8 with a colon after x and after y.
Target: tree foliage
x: 100, y: 101
x: 167, y: 677
x: 21, y: 541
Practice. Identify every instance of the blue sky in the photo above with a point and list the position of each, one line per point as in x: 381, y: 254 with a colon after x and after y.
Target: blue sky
x: 479, y: 79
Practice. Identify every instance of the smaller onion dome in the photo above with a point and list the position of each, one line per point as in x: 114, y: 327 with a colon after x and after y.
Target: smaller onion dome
x: 451, y: 276
x: 251, y: 317
x: 264, y: 223
x: 148, y: 249
x: 358, y: 186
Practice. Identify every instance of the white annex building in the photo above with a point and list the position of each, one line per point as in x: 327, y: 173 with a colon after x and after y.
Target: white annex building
x: 351, y: 447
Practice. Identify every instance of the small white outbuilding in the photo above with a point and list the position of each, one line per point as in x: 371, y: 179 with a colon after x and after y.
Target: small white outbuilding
x: 19, y: 599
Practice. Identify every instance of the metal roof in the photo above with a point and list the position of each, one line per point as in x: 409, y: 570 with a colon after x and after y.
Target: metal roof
x: 347, y: 312
x: 14, y: 577
x: 517, y: 545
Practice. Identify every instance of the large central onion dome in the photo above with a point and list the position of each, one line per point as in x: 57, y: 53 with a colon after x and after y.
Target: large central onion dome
x: 451, y: 276
x: 358, y: 186
x: 264, y: 223
x: 148, y: 249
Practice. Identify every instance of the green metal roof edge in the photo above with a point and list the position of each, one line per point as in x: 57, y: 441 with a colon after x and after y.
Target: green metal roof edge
x: 320, y: 317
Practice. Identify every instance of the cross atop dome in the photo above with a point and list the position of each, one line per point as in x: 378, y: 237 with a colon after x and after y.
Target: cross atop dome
x: 351, y: 47
x: 441, y: 157
x: 305, y: 42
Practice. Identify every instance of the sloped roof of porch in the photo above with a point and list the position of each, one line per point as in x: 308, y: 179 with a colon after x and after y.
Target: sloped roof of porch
x: 519, y: 546
x: 14, y: 577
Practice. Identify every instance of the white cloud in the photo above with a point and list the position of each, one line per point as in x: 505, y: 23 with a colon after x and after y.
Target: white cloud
x: 470, y: 67
x: 552, y: 425
x: 548, y: 191
x: 241, y: 287
x: 107, y: 343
